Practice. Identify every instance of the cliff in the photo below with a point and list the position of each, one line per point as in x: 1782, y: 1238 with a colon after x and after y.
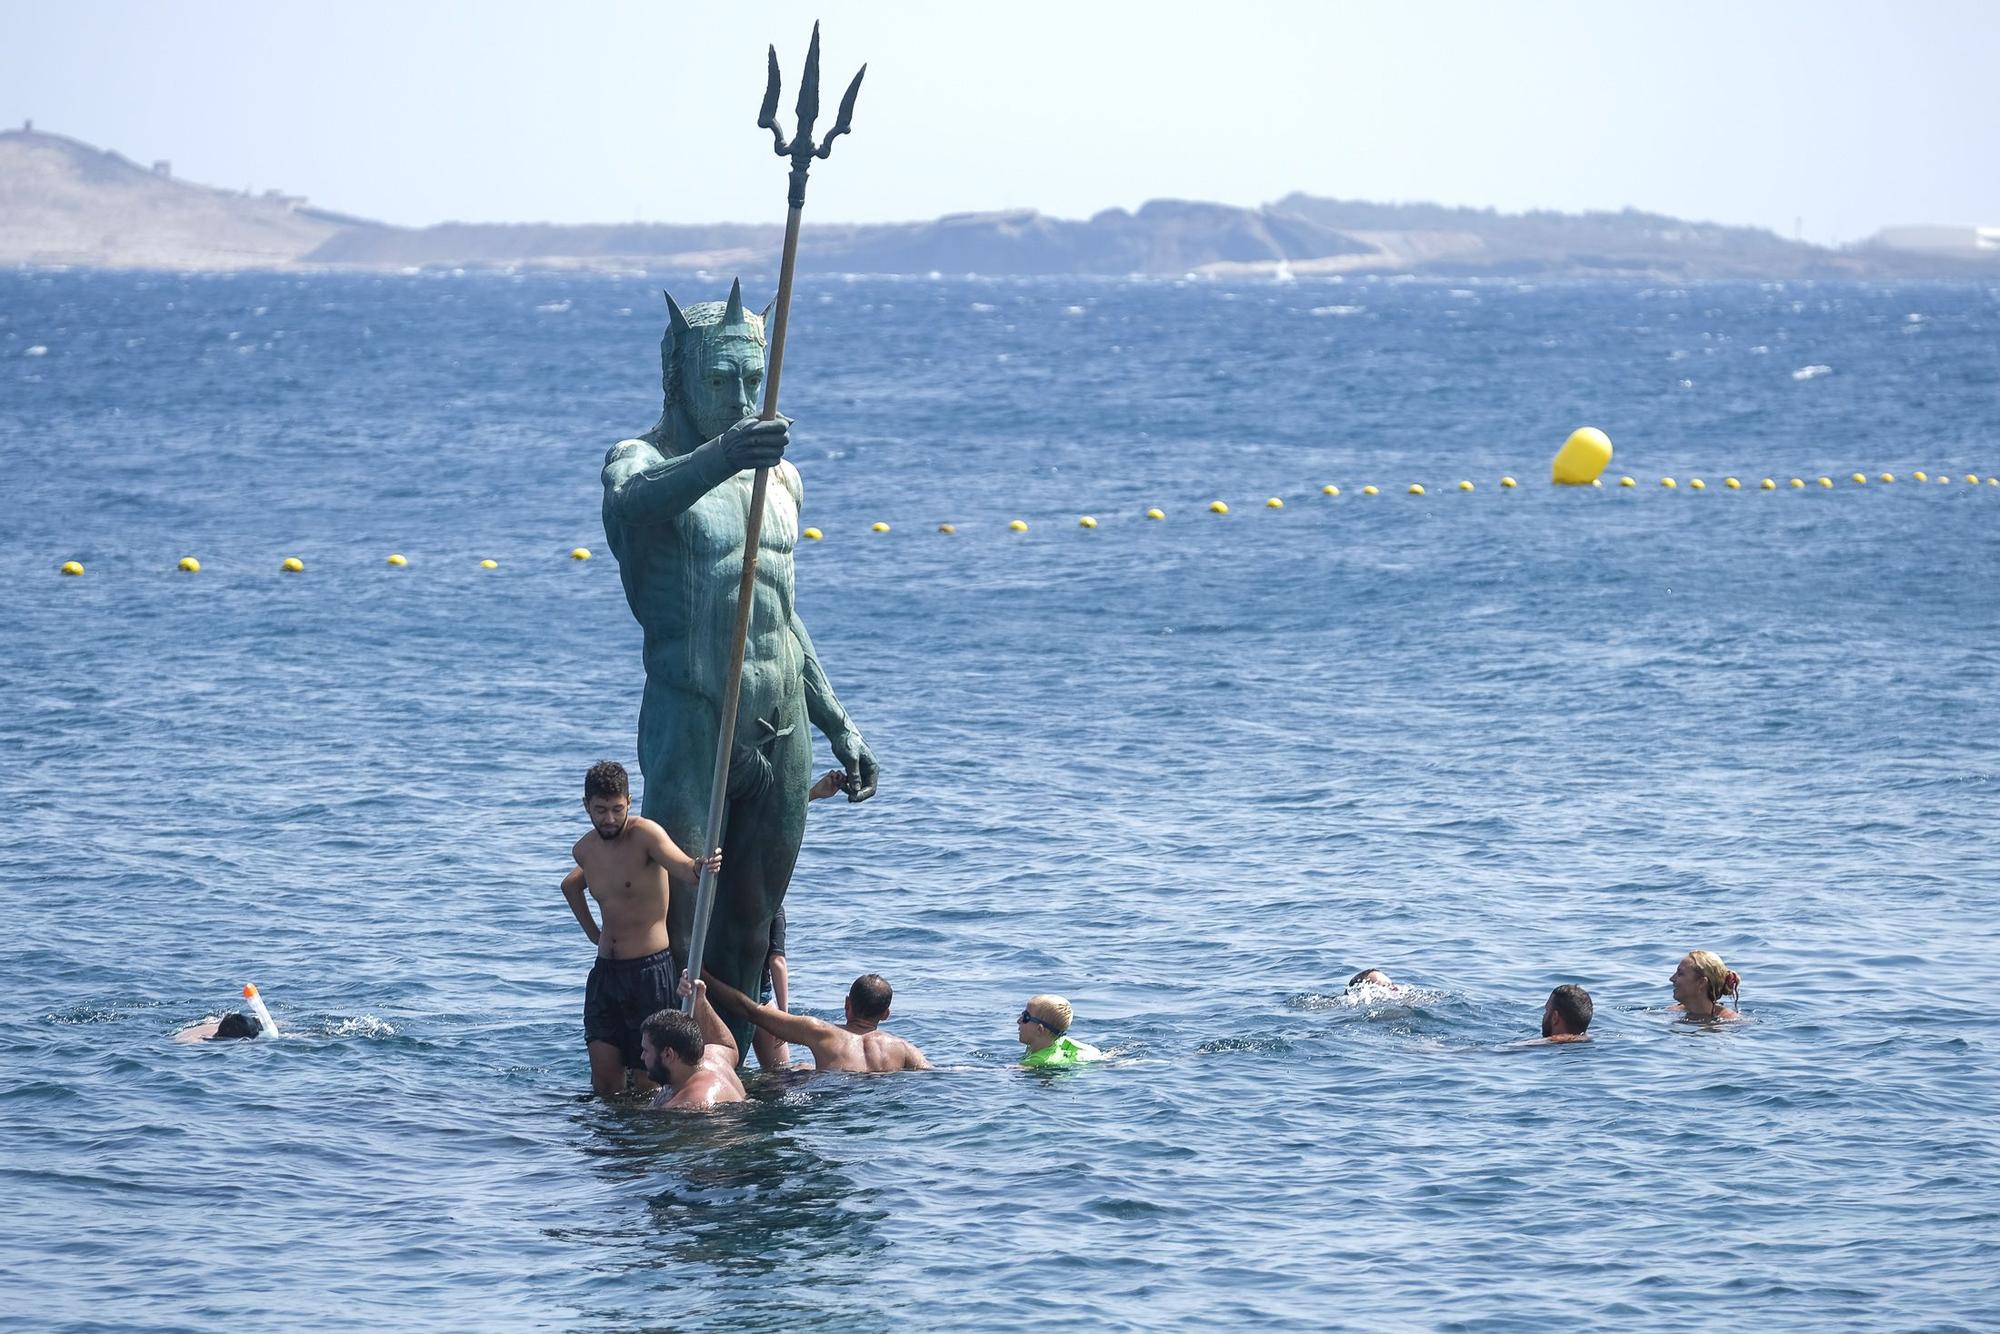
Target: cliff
x: 64, y: 202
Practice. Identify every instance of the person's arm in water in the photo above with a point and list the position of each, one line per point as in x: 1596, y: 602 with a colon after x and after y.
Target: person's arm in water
x: 714, y: 1033
x: 913, y: 1059
x: 787, y: 1027
x: 572, y: 889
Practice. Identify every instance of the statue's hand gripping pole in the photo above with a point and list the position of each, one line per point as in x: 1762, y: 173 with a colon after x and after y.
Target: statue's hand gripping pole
x: 801, y: 150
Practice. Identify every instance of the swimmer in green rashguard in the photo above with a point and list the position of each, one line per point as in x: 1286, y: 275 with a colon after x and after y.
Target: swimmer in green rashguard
x: 1043, y: 1029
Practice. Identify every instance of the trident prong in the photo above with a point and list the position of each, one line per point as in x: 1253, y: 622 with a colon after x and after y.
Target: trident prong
x: 800, y: 148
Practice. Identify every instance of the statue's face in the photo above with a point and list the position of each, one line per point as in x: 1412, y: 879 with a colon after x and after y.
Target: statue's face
x: 721, y: 380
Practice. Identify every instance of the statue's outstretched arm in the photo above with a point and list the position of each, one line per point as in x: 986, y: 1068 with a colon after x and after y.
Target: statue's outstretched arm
x: 642, y: 486
x: 824, y: 709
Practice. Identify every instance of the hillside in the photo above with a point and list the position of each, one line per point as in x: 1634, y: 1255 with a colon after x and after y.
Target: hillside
x: 64, y: 202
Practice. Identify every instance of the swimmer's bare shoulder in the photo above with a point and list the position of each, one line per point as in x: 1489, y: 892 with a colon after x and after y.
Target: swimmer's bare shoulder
x: 886, y: 1052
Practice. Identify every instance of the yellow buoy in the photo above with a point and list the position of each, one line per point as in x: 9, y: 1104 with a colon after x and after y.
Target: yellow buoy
x: 398, y: 559
x: 1826, y: 481
x: 1920, y: 477
x: 1370, y: 491
x: 579, y: 553
x: 813, y: 534
x: 1416, y: 488
x: 1973, y: 478
x: 1767, y: 485
x: 1797, y: 482
x: 1860, y: 478
x: 1582, y: 457
x: 1274, y: 504
x: 1017, y: 526
x: 1669, y: 483
x: 1217, y: 507
x: 1943, y: 479
x: 1888, y: 477
x: 1697, y: 484
x: 1086, y: 522
x: 292, y: 565
x: 1626, y: 481
x: 1329, y: 490
x: 489, y: 564
x: 1508, y: 483
x: 1156, y: 514
x: 947, y: 528
x: 189, y: 565
x: 1465, y: 486
x: 71, y: 567
x: 878, y: 527
x: 1732, y: 484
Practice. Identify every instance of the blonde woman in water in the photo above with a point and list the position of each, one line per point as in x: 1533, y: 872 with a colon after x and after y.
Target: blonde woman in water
x: 1700, y: 983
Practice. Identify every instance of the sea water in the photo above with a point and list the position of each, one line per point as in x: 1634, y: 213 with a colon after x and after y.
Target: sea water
x: 1190, y: 773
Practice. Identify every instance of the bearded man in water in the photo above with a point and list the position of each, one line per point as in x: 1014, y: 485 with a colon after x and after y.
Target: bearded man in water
x: 629, y: 866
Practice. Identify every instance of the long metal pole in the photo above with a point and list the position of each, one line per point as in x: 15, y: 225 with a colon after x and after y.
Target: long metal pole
x: 746, y: 588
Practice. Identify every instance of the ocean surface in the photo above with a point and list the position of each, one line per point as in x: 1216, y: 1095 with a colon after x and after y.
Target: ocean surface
x: 1190, y: 773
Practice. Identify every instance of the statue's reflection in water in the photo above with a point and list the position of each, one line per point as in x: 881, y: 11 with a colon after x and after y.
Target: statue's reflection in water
x: 740, y: 1191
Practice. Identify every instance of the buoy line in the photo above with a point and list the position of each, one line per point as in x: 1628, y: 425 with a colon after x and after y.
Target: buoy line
x: 1984, y: 483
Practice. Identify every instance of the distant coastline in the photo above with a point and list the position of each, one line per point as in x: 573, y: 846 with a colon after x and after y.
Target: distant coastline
x: 67, y: 203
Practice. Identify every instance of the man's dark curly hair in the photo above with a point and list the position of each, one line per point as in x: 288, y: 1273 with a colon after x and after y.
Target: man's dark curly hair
x: 606, y: 779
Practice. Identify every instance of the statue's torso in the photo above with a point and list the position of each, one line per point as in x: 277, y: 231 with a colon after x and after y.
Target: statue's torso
x: 681, y: 576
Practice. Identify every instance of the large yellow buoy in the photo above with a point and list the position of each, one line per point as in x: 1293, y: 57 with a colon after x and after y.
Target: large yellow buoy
x: 1329, y: 490
x: 1583, y: 456
x: 1669, y: 483
x: 878, y: 527
x: 1274, y: 504
x: 1416, y: 488
x: 1920, y: 476
x: 292, y: 565
x: 948, y: 528
x: 71, y: 568
x: 1156, y: 514
x: 1860, y: 478
x: 579, y: 553
x: 397, y: 559
x: 1826, y: 481
x: 1217, y: 507
x: 1797, y: 483
x: 1732, y: 484
x: 1973, y: 478
x: 1017, y: 525
x: 1086, y: 522
x: 1371, y: 491
x: 1508, y: 484
x: 1767, y: 485
x: 1944, y: 479
x: 1626, y: 481
x: 1888, y: 477
x: 812, y: 535
x: 1465, y: 486
x: 189, y: 565
x: 1696, y: 484
x: 489, y: 564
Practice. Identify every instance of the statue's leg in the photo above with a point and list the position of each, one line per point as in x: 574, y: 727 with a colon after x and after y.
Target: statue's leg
x: 759, y: 850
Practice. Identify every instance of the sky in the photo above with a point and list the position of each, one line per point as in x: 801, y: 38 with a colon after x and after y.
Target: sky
x: 1824, y: 120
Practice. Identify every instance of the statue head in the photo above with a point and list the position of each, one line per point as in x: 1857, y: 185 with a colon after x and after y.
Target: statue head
x: 712, y: 363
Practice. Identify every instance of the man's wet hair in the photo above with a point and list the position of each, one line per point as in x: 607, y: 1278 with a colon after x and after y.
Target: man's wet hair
x: 237, y: 1024
x: 869, y: 996
x: 672, y: 1031
x: 1362, y: 976
x: 1572, y: 1002
x: 606, y: 779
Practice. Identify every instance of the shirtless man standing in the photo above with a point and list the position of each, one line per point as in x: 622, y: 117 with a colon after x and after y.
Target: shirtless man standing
x: 858, y: 1046
x: 629, y: 865
x: 693, y: 1057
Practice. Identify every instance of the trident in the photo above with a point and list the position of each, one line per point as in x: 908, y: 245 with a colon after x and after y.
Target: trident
x: 801, y: 150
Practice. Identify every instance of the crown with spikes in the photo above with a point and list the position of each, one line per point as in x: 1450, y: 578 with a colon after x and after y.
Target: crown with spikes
x: 706, y: 324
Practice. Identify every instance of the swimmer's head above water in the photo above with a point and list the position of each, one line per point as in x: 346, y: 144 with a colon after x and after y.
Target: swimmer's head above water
x: 607, y: 798
x: 670, y: 1047
x: 868, y: 999
x: 235, y: 1024
x: 1369, y: 977
x: 1700, y: 982
x: 1566, y: 1015
x: 1042, y: 1020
